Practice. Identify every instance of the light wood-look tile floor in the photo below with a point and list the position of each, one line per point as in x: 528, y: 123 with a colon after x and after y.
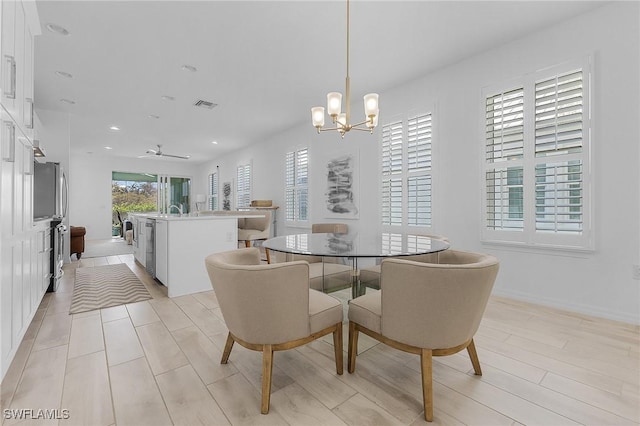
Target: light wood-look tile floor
x: 158, y: 362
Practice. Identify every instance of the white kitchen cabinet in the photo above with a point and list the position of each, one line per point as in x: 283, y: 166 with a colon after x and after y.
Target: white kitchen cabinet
x: 161, y: 250
x: 9, y: 66
x: 6, y: 279
x: 40, y: 264
x: 21, y: 260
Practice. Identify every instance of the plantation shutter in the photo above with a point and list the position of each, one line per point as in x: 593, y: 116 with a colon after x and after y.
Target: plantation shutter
x: 504, y: 142
x: 302, y: 183
x: 419, y: 171
x: 391, y: 174
x: 243, y: 178
x: 559, y: 115
x: 505, y: 126
x: 296, y: 185
x: 213, y: 191
x: 559, y: 133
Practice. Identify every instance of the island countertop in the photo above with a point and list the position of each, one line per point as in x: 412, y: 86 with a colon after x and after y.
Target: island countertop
x: 194, y: 216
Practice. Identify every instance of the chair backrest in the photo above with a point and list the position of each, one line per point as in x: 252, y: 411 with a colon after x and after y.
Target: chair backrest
x: 335, y: 228
x: 258, y: 223
x: 260, y: 303
x: 436, y: 306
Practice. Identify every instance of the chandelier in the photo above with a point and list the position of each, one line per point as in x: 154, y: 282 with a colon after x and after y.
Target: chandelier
x: 342, y: 120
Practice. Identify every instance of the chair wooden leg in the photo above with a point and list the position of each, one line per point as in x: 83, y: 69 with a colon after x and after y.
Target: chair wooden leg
x: 337, y: 347
x: 427, y: 383
x: 247, y: 243
x: 267, y: 368
x: 227, y: 349
x: 352, y: 350
x: 474, y: 358
x: 266, y: 251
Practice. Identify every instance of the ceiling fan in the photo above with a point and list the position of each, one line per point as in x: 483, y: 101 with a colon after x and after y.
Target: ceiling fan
x: 158, y: 153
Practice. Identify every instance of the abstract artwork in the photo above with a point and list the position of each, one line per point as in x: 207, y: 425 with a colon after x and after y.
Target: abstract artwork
x: 341, y: 187
x: 226, y: 196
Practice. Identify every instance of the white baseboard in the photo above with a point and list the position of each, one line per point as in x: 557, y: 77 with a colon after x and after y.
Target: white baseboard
x: 594, y: 311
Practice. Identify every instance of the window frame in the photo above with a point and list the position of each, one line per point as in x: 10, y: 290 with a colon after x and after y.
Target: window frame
x: 529, y: 236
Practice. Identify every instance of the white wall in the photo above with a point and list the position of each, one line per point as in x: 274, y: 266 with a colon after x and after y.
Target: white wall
x: 598, y: 283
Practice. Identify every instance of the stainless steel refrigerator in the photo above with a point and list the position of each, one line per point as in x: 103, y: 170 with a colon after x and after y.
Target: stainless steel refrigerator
x: 50, y: 191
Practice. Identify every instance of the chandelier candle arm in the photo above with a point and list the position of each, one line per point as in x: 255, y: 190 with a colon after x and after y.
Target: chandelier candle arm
x: 334, y: 106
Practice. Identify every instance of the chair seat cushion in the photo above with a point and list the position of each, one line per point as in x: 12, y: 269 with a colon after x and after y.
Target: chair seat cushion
x: 324, y: 311
x: 252, y: 234
x: 366, y: 310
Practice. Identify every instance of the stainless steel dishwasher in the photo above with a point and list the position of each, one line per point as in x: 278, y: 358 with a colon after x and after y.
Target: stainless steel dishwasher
x: 150, y: 246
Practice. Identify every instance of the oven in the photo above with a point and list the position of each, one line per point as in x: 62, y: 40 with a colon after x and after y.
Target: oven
x: 58, y: 230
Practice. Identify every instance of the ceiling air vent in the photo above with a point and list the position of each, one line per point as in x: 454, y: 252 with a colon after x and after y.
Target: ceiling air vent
x: 205, y: 104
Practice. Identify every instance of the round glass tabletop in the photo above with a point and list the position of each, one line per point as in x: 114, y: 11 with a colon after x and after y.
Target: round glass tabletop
x: 356, y: 244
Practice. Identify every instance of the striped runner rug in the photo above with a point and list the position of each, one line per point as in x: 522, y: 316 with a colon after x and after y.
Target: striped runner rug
x: 105, y: 286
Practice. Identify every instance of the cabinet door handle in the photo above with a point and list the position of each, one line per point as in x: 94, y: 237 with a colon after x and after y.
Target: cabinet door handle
x: 10, y: 83
x: 28, y: 163
x: 28, y: 119
x: 8, y: 141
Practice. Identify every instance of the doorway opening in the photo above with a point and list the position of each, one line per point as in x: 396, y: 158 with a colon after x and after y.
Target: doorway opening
x: 131, y: 193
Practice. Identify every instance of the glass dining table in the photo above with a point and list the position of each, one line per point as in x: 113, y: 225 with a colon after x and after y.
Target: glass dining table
x: 354, y: 246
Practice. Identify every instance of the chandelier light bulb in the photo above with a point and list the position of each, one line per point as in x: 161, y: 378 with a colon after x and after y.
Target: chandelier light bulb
x: 371, y: 105
x: 334, y: 103
x: 317, y: 116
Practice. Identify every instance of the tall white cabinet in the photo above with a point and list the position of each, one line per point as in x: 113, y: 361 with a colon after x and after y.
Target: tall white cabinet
x: 23, y: 243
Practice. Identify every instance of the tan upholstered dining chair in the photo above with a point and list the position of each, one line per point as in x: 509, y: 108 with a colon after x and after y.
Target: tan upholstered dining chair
x: 271, y: 308
x: 252, y: 229
x: 426, y: 309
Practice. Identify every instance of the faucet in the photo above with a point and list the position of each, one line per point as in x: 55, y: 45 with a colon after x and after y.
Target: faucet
x: 179, y: 208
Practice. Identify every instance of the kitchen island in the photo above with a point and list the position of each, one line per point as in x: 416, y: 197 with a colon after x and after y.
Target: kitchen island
x: 174, y: 247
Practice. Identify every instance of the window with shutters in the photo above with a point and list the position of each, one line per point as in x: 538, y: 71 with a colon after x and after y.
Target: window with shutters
x: 407, y: 172
x: 536, y: 157
x: 297, y: 186
x: 213, y: 191
x: 243, y: 186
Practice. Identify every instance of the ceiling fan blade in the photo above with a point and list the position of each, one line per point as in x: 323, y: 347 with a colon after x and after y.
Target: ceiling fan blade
x: 152, y: 151
x: 183, y: 157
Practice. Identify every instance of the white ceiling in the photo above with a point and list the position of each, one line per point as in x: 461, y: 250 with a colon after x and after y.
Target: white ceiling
x: 265, y: 63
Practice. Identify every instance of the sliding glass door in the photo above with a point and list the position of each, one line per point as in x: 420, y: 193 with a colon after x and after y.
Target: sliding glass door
x: 173, y: 191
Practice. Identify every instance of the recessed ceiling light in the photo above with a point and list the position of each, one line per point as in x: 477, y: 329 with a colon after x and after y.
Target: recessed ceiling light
x: 63, y: 74
x: 214, y: 142
x: 168, y: 98
x: 189, y: 68
x: 107, y: 147
x: 68, y: 101
x: 57, y: 29
x: 116, y: 128
x: 153, y: 116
